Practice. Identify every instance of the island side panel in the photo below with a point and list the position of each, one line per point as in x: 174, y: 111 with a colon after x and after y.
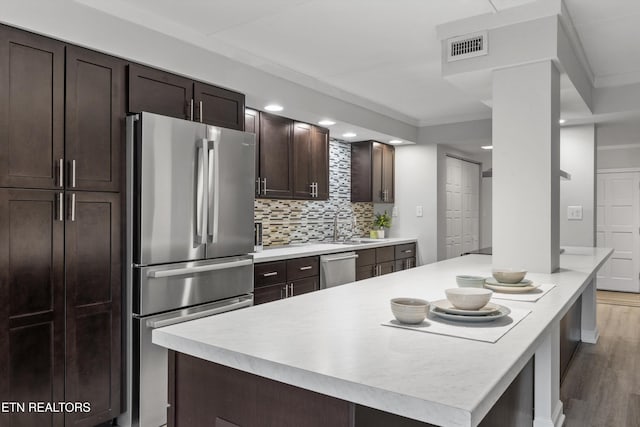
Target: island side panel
x: 203, y: 393
x: 208, y: 394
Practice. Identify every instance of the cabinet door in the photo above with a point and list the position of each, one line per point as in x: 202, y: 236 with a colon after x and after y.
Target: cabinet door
x: 159, y: 92
x: 361, y: 171
x: 275, y: 155
x: 386, y: 268
x: 320, y: 161
x: 304, y: 286
x: 93, y: 295
x: 32, y: 309
x: 218, y: 107
x: 252, y: 124
x: 31, y: 110
x: 302, y: 161
x: 269, y: 293
x: 365, y: 272
x: 376, y: 172
x: 388, y: 154
x: 95, y: 120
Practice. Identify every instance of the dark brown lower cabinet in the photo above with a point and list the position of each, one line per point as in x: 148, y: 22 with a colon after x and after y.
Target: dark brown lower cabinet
x: 268, y: 293
x: 93, y: 284
x: 32, y: 360
x: 384, y: 260
x: 285, y: 279
x: 203, y: 393
x: 60, y: 244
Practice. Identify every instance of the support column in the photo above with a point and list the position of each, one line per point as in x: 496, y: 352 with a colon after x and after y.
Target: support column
x: 526, y: 167
x: 546, y: 399
x: 588, y: 320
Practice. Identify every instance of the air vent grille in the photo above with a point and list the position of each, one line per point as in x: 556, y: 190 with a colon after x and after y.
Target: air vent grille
x: 467, y: 46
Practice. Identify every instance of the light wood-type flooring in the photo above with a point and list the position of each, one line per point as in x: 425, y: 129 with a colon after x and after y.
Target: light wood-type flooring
x: 602, y: 385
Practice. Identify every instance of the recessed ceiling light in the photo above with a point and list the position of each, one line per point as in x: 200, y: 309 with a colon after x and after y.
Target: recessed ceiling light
x: 349, y: 135
x: 395, y: 141
x: 273, y: 107
x: 326, y: 122
x: 487, y: 147
x: 561, y: 121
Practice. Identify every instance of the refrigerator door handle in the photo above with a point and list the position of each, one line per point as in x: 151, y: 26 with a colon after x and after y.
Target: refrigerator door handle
x: 201, y: 193
x: 199, y: 269
x: 153, y: 324
x: 213, y: 207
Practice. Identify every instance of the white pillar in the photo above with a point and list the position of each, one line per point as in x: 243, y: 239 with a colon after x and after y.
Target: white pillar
x: 546, y: 399
x: 526, y: 167
x: 588, y: 323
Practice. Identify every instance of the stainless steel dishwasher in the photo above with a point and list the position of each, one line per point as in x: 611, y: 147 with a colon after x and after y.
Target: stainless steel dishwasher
x: 337, y: 269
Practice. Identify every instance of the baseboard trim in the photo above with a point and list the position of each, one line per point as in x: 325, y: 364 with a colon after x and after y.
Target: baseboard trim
x: 590, y: 336
x: 557, y: 419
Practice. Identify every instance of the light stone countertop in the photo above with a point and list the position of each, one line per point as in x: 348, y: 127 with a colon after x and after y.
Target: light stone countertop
x: 278, y: 253
x: 331, y: 341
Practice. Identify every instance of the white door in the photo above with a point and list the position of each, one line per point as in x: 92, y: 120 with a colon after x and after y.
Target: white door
x: 618, y: 227
x: 463, y: 206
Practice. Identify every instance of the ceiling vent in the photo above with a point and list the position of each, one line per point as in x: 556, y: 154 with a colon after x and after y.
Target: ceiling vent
x: 467, y: 46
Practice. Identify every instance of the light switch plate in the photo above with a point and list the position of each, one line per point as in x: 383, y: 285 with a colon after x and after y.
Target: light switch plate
x: 394, y: 211
x: 418, y: 211
x: 574, y: 213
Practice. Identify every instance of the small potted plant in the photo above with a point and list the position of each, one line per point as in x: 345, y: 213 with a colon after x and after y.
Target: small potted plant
x: 380, y: 222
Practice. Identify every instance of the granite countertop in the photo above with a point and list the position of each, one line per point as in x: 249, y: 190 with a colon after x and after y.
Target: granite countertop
x: 332, y: 341
x: 296, y: 251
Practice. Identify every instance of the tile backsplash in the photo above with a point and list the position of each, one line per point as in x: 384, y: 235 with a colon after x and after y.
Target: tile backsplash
x: 302, y: 221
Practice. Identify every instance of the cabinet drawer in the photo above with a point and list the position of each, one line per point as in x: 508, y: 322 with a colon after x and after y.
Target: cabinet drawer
x: 365, y: 257
x: 406, y: 251
x: 385, y: 254
x: 302, y: 267
x: 269, y: 273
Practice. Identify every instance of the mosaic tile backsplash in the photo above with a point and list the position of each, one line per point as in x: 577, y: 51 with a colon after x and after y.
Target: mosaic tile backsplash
x: 303, y: 221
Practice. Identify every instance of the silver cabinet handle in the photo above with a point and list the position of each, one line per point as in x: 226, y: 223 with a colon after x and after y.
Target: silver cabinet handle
x: 306, y: 267
x: 407, y: 251
x: 258, y: 184
x: 286, y: 291
x: 73, y: 174
x: 191, y: 109
x: 201, y: 111
x: 61, y: 173
x: 60, y: 206
x: 270, y: 274
x: 73, y: 206
x: 291, y: 292
x: 312, y: 192
x: 264, y: 186
x: 200, y: 269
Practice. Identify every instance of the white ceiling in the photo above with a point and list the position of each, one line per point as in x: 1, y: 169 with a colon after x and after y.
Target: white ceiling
x: 384, y: 52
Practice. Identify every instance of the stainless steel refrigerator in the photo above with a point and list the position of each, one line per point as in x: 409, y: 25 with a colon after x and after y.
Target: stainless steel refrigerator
x: 190, y: 229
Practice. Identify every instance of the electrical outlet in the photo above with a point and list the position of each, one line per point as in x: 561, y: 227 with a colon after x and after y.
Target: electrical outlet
x: 394, y: 211
x: 574, y: 213
x: 418, y: 211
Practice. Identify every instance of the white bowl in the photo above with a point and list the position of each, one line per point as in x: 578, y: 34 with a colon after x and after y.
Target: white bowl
x: 465, y: 281
x: 468, y: 298
x: 409, y: 310
x: 509, y: 275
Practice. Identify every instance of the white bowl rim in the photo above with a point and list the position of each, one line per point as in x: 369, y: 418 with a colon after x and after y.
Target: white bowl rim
x: 420, y: 302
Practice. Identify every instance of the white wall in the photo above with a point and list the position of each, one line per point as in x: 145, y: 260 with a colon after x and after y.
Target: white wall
x: 577, y: 157
x: 415, y: 185
x: 618, y: 144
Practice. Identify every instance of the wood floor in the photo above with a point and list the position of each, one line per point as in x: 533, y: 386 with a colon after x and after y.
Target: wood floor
x: 602, y: 385
x: 618, y: 298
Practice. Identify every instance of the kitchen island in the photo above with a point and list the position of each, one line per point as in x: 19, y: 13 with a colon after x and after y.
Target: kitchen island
x: 332, y: 343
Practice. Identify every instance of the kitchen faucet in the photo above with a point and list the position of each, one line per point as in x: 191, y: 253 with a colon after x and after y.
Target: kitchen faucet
x: 336, y: 233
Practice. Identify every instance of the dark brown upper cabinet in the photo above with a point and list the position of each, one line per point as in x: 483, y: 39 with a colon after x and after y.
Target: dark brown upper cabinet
x: 252, y: 124
x: 219, y: 107
x: 94, y: 127
x: 275, y: 173
x: 310, y: 162
x: 292, y: 160
x: 31, y: 110
x: 159, y: 92
x: 372, y: 172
